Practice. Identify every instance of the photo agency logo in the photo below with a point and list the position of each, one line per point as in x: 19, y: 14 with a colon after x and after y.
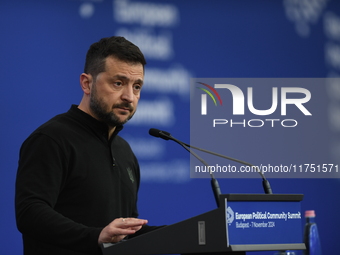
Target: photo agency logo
x: 243, y: 98
x: 204, y: 97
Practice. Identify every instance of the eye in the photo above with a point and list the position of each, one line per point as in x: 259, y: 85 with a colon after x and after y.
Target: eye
x: 137, y: 87
x: 118, y: 83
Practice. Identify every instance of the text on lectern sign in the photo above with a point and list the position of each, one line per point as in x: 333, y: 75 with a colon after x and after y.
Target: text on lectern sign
x: 263, y: 222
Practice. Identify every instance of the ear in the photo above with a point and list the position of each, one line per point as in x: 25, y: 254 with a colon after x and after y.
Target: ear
x: 86, y: 81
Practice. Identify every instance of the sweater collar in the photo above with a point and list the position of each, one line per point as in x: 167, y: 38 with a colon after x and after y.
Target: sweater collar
x: 97, y: 126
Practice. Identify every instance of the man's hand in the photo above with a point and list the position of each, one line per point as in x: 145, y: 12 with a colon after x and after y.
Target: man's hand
x: 119, y: 229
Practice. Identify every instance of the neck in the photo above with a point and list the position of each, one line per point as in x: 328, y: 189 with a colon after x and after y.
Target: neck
x: 111, y: 131
x: 84, y: 108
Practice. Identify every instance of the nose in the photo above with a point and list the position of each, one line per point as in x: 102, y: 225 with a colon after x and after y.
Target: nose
x: 127, y: 94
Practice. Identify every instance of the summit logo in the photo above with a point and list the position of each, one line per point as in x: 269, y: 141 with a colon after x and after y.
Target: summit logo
x: 230, y: 215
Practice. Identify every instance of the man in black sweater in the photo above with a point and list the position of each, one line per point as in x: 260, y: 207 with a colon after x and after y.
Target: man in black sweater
x: 77, y: 179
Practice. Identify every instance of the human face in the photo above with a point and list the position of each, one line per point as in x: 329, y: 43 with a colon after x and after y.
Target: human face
x: 116, y: 92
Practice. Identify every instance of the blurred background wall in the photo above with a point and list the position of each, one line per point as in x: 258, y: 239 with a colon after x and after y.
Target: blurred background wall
x: 42, y: 51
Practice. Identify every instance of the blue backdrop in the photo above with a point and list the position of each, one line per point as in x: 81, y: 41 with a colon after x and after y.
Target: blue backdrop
x: 43, y: 46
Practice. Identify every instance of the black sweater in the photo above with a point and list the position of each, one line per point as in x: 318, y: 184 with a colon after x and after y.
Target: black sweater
x: 72, y: 182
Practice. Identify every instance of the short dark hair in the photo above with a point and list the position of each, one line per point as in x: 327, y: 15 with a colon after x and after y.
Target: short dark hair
x: 115, y: 46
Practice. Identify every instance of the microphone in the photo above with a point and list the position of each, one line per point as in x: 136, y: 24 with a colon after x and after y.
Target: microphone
x: 167, y: 136
x: 161, y: 134
x: 214, y: 183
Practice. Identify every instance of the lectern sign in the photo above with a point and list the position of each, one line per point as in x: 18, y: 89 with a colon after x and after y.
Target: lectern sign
x: 263, y: 222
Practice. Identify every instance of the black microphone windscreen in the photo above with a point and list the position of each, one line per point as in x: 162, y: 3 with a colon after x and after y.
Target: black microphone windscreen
x: 159, y: 133
x: 154, y: 132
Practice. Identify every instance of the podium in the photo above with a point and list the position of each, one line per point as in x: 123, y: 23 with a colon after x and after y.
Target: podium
x: 243, y: 222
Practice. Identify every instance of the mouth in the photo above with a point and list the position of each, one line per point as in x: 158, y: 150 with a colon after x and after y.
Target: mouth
x: 124, y: 111
x: 124, y: 108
